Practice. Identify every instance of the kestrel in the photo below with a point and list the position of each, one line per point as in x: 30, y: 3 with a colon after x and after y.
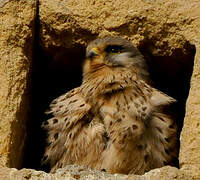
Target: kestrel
x: 115, y: 121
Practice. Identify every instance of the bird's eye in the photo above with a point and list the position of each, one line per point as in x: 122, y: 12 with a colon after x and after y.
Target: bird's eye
x: 114, y: 49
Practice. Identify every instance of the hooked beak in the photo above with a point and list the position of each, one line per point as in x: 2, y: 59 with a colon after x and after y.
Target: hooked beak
x: 92, y: 53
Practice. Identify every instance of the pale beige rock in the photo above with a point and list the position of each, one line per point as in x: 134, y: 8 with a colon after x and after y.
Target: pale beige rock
x: 68, y: 173
x: 165, y: 173
x: 189, y: 156
x: 190, y: 136
x: 166, y: 27
x: 74, y: 22
x: 16, y: 43
x: 73, y: 172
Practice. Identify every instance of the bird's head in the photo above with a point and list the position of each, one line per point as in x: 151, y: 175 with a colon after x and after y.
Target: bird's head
x: 113, y: 52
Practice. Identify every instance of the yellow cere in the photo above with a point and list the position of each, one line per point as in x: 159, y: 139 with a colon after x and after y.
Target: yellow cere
x: 96, y: 50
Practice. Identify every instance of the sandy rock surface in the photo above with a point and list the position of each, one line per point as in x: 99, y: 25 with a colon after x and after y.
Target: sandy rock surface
x: 168, y: 30
x: 72, y: 172
x: 16, y: 51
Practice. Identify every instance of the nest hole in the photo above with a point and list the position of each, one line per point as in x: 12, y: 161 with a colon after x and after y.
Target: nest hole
x: 58, y: 70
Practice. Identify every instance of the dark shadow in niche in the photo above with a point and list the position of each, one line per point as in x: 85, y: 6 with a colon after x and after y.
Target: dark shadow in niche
x: 59, y: 70
x: 54, y: 72
x: 53, y: 75
x: 172, y: 74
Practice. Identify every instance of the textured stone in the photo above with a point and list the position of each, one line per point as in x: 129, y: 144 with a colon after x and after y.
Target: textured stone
x: 189, y: 156
x: 190, y: 136
x: 74, y: 22
x: 73, y: 172
x: 70, y: 172
x: 16, y: 42
x: 165, y: 29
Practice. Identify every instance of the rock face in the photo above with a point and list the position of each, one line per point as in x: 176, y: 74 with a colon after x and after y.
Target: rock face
x: 78, y: 172
x: 166, y: 32
x: 16, y: 52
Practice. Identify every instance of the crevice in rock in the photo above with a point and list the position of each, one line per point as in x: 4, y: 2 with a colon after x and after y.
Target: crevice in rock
x: 52, y: 76
x: 56, y: 70
x: 31, y: 122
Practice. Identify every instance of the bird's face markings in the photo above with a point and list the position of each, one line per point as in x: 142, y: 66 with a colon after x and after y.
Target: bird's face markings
x: 112, y: 52
x: 114, y: 49
x: 112, y: 55
x: 118, y: 55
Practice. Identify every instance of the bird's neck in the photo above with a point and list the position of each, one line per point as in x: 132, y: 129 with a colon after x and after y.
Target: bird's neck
x: 108, y: 79
x: 121, y: 73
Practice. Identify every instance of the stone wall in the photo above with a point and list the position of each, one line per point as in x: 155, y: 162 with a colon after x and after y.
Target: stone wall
x: 166, y: 31
x: 17, y: 19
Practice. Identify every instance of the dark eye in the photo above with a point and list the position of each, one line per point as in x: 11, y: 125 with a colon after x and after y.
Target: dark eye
x: 114, y: 49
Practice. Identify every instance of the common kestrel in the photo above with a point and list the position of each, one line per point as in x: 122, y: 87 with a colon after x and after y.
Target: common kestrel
x: 115, y: 121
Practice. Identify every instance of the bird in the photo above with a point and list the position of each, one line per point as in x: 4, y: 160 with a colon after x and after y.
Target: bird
x: 115, y: 121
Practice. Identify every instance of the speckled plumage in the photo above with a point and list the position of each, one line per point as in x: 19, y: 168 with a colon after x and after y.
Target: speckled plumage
x: 115, y: 120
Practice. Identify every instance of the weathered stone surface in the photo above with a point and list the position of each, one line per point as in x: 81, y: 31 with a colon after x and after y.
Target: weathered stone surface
x: 70, y: 172
x: 74, y: 22
x: 189, y: 156
x: 190, y: 136
x: 162, y: 28
x: 73, y: 172
x: 16, y: 42
x: 164, y: 173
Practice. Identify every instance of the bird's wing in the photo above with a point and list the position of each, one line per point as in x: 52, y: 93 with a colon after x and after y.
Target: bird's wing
x: 139, y: 128
x: 159, y: 132
x: 163, y: 127
x: 70, y: 115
